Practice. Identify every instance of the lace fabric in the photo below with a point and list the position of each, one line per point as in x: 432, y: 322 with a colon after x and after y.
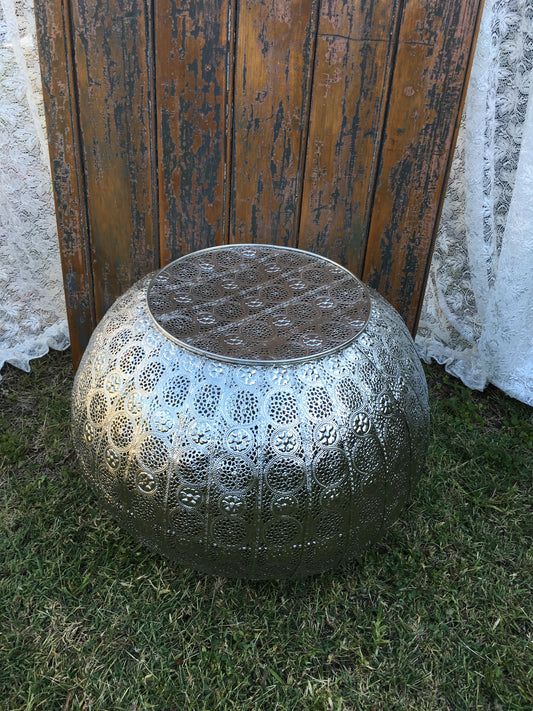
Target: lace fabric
x: 477, y: 317
x: 32, y: 302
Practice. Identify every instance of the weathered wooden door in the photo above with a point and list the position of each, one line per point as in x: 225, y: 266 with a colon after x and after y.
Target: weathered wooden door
x: 180, y: 124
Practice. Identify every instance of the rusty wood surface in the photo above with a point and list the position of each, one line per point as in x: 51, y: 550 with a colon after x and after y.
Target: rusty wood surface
x: 323, y: 124
x: 434, y: 53
x: 273, y: 71
x: 355, y: 45
x: 193, y: 68
x: 56, y: 58
x: 112, y: 56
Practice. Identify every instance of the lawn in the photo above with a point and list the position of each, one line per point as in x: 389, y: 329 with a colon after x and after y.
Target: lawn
x: 437, y: 617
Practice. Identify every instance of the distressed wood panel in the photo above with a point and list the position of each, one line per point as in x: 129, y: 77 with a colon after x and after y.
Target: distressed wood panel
x: 324, y: 124
x: 351, y: 76
x: 193, y: 68
x: 431, y: 67
x: 56, y: 58
x: 114, y: 93
x: 274, y: 49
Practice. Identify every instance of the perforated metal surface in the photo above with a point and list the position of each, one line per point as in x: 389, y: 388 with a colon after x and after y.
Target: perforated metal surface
x: 253, y: 470
x: 258, y: 303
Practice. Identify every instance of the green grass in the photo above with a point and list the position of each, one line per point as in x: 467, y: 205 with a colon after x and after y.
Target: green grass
x: 437, y: 617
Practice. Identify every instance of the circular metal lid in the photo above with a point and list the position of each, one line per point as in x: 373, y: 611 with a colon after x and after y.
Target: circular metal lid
x: 258, y: 303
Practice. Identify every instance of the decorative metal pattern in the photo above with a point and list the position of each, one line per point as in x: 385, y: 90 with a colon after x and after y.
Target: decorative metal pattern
x: 253, y: 469
x: 258, y: 303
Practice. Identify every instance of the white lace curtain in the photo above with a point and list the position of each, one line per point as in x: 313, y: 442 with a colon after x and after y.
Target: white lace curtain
x: 32, y: 302
x: 478, y: 311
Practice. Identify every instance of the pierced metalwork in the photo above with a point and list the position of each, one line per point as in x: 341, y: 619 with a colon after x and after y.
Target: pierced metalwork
x: 258, y: 303
x: 252, y: 468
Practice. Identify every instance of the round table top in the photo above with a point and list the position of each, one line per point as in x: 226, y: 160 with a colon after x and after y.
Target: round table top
x: 258, y: 304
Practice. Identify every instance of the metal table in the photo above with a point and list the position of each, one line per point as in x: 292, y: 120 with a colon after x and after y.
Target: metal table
x: 252, y: 411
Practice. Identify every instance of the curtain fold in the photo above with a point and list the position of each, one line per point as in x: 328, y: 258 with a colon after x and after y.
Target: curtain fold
x: 477, y: 316
x: 32, y: 302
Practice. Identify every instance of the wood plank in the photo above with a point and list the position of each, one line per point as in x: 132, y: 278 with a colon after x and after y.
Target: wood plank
x: 351, y: 81
x: 58, y: 80
x: 275, y: 44
x: 193, y: 69
x: 250, y: 145
x: 434, y: 52
x: 112, y: 63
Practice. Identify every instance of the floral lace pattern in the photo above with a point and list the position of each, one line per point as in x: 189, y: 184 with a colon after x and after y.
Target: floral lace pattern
x: 477, y: 317
x: 32, y: 302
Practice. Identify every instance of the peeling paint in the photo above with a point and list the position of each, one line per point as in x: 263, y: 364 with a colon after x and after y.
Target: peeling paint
x: 325, y: 125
